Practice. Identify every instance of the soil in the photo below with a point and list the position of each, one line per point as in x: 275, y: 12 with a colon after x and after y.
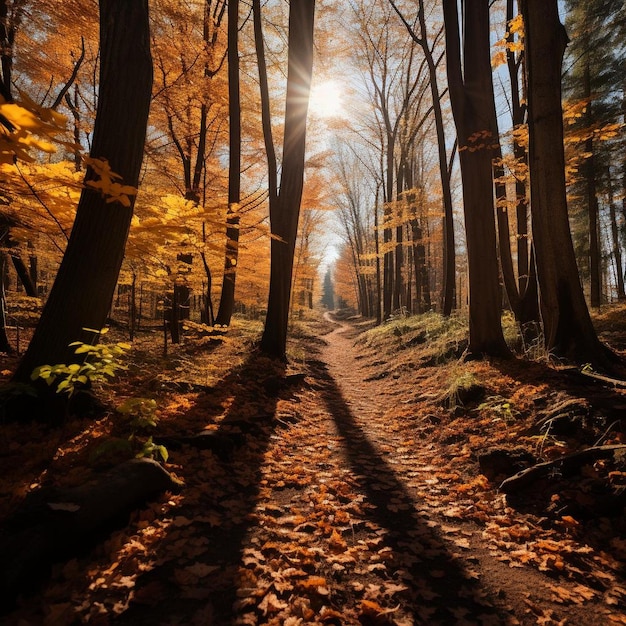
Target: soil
x: 351, y: 487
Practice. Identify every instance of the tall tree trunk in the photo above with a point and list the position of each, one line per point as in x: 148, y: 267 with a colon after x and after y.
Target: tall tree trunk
x: 227, y: 298
x: 449, y: 252
x: 379, y: 311
x: 388, y: 269
x: 23, y: 274
x: 173, y: 320
x: 284, y: 213
x: 419, y: 262
x: 85, y: 283
x: 617, y: 249
x: 33, y: 269
x: 398, y: 264
x: 528, y: 315
x: 9, y: 24
x: 132, y: 308
x: 5, y: 345
x: 567, y: 326
x: 206, y: 315
x: 472, y: 99
x: 595, y: 262
x: 398, y: 288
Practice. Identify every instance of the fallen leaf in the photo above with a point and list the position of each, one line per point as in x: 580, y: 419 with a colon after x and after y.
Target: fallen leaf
x: 271, y: 604
x: 337, y: 543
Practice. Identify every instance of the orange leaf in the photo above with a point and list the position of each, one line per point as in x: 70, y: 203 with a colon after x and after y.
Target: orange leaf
x: 337, y: 543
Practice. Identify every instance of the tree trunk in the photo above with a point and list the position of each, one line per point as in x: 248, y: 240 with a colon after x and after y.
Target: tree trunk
x: 33, y: 269
x: 379, y: 311
x: 617, y: 249
x: 449, y: 253
x: 284, y: 213
x: 387, y: 232
x: 23, y: 274
x: 5, y: 346
x: 132, y: 309
x: 567, y: 326
x: 595, y: 262
x: 472, y: 99
x: 398, y: 263
x: 207, y: 314
x: 84, y: 286
x: 227, y: 297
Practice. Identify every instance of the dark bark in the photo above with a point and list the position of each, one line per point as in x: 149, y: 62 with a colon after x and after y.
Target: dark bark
x: 617, y: 249
x: 132, y: 309
x: 10, y: 19
x: 173, y: 315
x: 472, y: 99
x: 33, y: 266
x: 227, y: 297
x: 285, y: 211
x: 567, y: 325
x: 207, y: 316
x: 378, y: 307
x: 83, y: 290
x: 5, y: 345
x: 72, y: 104
x: 387, y: 266
x: 398, y: 265
x: 23, y: 274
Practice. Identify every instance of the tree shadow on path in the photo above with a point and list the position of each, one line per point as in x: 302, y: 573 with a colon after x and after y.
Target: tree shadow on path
x: 222, y: 489
x: 441, y: 589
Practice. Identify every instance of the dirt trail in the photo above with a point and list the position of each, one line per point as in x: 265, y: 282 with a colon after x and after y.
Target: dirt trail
x: 468, y: 582
x: 326, y: 512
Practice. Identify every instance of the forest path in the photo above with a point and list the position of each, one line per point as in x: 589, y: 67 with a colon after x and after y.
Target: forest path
x: 455, y: 576
x: 341, y: 497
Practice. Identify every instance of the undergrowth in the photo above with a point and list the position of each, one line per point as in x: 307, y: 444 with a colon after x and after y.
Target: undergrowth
x: 435, y: 332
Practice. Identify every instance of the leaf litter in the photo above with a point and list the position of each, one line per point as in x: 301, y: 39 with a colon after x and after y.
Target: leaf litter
x: 355, y: 498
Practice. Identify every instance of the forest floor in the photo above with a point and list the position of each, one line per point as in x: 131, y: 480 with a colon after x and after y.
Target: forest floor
x: 357, y: 485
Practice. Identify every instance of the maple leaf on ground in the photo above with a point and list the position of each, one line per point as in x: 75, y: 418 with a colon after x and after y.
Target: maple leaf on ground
x: 374, y: 611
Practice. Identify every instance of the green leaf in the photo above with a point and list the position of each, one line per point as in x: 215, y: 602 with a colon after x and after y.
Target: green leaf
x: 162, y: 450
x: 64, y: 384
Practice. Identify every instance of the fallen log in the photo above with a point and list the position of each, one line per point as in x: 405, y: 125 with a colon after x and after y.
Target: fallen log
x: 564, y: 465
x: 55, y: 524
x: 615, y: 382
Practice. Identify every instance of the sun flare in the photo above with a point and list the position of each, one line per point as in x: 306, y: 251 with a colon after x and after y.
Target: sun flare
x: 326, y: 99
